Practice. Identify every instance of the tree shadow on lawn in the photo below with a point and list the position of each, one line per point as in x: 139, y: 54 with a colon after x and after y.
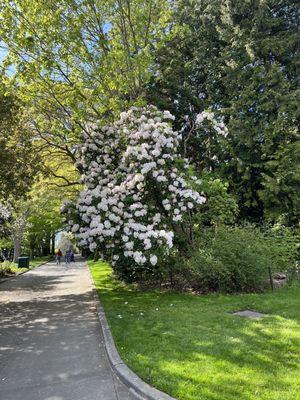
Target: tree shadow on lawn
x: 234, y: 366
x: 197, y: 349
x: 193, y: 348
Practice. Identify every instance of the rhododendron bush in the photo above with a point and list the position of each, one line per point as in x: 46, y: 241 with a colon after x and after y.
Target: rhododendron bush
x: 136, y: 196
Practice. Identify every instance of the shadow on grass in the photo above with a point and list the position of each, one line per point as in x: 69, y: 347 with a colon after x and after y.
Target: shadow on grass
x: 194, y: 348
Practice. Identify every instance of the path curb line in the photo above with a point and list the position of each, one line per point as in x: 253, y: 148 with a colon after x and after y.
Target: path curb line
x: 126, y: 375
x: 22, y: 273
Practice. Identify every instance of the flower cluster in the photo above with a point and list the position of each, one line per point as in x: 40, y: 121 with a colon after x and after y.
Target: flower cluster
x: 135, y: 193
x: 205, y: 140
x: 5, y: 213
x: 207, y: 116
x: 5, y: 216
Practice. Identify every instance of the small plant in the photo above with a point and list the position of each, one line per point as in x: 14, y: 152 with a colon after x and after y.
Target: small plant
x: 6, y: 268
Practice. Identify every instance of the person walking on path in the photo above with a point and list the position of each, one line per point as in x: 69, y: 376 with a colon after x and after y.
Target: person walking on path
x: 68, y: 257
x: 72, y: 256
x: 58, y: 257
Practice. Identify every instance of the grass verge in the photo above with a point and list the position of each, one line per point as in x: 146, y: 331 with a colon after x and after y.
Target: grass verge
x: 36, y: 262
x: 193, y: 348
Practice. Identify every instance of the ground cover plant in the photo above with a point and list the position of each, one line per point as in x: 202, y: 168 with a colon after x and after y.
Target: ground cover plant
x: 192, y: 347
x: 6, y: 268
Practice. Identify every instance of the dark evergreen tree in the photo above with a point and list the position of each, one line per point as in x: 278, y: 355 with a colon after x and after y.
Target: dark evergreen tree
x: 239, y: 58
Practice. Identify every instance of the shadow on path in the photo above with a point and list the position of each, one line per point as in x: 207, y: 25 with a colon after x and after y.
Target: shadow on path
x: 50, y: 342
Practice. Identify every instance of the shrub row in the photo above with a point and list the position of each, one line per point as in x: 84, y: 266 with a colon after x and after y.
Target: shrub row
x: 237, y: 259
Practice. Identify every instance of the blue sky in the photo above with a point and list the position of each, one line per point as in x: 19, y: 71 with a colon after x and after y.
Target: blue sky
x: 3, y: 53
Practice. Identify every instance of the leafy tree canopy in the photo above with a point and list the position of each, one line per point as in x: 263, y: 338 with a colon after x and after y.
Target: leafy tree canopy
x: 80, y: 60
x: 19, y: 161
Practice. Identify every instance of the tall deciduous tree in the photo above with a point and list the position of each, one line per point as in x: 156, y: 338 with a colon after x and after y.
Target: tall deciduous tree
x: 19, y: 162
x: 44, y: 205
x: 17, y: 231
x: 79, y: 60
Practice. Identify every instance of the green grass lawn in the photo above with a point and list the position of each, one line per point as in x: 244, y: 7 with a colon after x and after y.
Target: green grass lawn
x: 194, y: 349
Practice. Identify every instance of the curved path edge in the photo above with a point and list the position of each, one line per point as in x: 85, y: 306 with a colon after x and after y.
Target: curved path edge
x: 125, y: 374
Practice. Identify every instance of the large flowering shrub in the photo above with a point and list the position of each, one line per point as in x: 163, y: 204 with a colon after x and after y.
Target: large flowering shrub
x: 136, y: 197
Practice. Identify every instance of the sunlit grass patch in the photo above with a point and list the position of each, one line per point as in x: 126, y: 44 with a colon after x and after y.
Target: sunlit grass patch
x: 192, y: 347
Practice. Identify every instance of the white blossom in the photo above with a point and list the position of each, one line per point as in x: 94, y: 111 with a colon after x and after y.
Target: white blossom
x: 132, y: 188
x: 153, y: 259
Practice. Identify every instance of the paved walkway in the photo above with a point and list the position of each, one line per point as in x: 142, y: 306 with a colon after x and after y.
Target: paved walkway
x: 50, y: 342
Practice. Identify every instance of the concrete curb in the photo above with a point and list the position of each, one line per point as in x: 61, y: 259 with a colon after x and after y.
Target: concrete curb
x: 125, y: 374
x: 22, y: 273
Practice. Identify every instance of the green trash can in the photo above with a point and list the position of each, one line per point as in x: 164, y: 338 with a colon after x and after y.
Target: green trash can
x: 23, y: 262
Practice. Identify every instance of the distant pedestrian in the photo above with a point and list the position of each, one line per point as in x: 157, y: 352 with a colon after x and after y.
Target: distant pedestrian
x: 58, y: 257
x: 72, y: 256
x: 67, y: 257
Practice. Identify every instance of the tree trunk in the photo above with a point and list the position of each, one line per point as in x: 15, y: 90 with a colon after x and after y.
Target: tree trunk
x: 32, y: 252
x: 32, y: 245
x: 17, y: 249
x: 53, y: 243
x: 46, y: 246
x: 96, y: 255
